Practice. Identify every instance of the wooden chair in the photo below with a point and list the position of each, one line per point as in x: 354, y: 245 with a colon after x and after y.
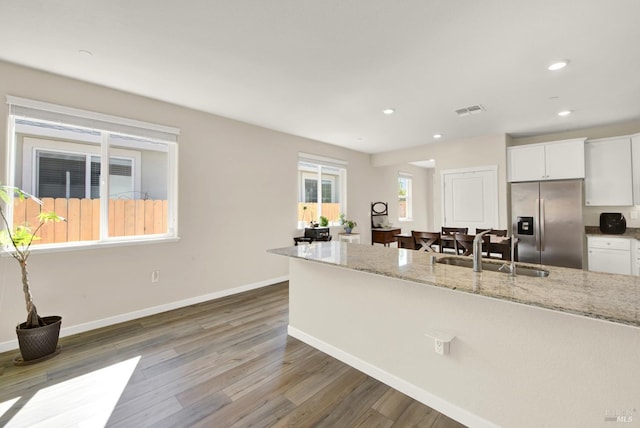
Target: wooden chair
x: 454, y: 230
x: 449, y: 244
x: 424, y: 241
x: 463, y: 244
x: 495, y: 254
x: 494, y: 232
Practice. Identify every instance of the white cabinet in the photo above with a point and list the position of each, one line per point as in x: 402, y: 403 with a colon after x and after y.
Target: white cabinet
x: 635, y: 257
x: 526, y: 163
x: 608, y: 178
x: 555, y: 160
x: 635, y: 159
x: 610, y: 255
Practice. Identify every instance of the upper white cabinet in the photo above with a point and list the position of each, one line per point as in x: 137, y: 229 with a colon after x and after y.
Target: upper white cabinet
x: 556, y: 160
x: 609, y: 174
x: 526, y: 163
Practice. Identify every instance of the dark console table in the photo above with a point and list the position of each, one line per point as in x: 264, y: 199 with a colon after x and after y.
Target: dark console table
x: 384, y: 236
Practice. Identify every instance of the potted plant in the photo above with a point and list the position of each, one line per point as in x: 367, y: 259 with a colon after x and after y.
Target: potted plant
x: 37, y: 336
x: 348, y: 224
x: 324, y: 221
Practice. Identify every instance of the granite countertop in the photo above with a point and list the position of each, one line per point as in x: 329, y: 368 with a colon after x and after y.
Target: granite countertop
x: 604, y: 296
x: 631, y: 232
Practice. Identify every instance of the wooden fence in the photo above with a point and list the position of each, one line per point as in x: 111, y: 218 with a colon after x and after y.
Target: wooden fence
x: 126, y: 217
x: 330, y: 211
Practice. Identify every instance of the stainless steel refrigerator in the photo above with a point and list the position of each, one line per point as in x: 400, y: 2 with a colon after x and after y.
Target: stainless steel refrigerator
x: 547, y: 220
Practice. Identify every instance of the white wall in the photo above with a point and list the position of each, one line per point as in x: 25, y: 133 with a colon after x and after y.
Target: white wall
x: 238, y: 190
x: 467, y: 153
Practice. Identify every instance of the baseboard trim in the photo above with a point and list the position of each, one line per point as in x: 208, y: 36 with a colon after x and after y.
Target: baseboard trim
x: 451, y: 410
x: 105, y: 322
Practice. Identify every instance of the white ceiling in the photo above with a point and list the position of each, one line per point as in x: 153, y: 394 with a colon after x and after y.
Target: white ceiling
x: 325, y: 69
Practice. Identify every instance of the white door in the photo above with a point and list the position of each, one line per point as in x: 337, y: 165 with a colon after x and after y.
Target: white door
x: 470, y: 198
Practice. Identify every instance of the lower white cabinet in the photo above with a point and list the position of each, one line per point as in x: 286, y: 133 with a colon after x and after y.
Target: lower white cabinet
x: 635, y: 257
x: 610, y: 255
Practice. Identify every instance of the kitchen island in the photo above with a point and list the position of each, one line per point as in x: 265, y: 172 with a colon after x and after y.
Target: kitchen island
x: 524, y: 351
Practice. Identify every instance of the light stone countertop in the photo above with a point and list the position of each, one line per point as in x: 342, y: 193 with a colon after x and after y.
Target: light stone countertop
x: 604, y: 296
x: 630, y: 233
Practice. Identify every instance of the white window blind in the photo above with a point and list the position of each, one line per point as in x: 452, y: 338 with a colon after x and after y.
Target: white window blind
x: 55, y: 113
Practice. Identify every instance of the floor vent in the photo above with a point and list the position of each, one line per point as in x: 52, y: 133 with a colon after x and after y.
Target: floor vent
x: 467, y: 111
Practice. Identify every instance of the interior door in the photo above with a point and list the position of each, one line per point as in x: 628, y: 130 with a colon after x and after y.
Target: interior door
x: 470, y: 198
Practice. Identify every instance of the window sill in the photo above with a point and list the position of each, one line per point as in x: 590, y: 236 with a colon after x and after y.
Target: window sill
x: 90, y: 245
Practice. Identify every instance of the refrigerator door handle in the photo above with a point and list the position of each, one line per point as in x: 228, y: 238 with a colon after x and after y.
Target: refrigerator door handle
x: 537, y: 225
x: 542, y: 221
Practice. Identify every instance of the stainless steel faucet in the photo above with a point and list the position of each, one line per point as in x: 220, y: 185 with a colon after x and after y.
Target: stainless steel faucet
x: 477, y: 250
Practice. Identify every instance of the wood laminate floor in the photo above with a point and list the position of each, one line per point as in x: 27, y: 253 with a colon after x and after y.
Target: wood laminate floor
x: 223, y: 363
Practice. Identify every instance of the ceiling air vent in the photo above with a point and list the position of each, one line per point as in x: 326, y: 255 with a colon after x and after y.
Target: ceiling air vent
x: 467, y: 111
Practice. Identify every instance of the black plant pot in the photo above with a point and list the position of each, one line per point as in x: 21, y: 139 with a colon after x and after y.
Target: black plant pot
x: 40, y: 343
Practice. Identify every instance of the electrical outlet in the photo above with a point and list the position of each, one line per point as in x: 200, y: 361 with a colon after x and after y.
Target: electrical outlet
x: 441, y: 341
x: 155, y: 276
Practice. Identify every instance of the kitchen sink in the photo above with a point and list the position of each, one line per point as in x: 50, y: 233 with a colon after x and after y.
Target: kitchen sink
x: 494, y: 267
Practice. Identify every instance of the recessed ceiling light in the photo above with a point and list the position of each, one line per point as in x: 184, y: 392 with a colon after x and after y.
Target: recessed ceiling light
x: 564, y: 113
x: 389, y: 111
x: 558, y: 65
x: 436, y: 136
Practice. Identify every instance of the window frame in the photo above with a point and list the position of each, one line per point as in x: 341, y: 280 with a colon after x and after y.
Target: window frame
x: 408, y: 198
x: 110, y: 130
x: 319, y: 163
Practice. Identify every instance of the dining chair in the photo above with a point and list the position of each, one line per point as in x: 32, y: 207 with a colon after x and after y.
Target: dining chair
x: 454, y: 230
x: 496, y: 253
x: 424, y: 241
x: 494, y: 232
x: 448, y: 232
x: 463, y: 244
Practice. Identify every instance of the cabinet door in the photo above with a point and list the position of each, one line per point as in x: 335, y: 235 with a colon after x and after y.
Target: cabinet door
x: 526, y: 163
x: 564, y: 160
x: 609, y: 261
x: 635, y: 158
x: 608, y: 178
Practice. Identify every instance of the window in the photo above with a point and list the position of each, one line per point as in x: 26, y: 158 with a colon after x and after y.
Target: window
x: 322, y: 189
x: 58, y: 154
x: 58, y: 169
x: 404, y: 197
